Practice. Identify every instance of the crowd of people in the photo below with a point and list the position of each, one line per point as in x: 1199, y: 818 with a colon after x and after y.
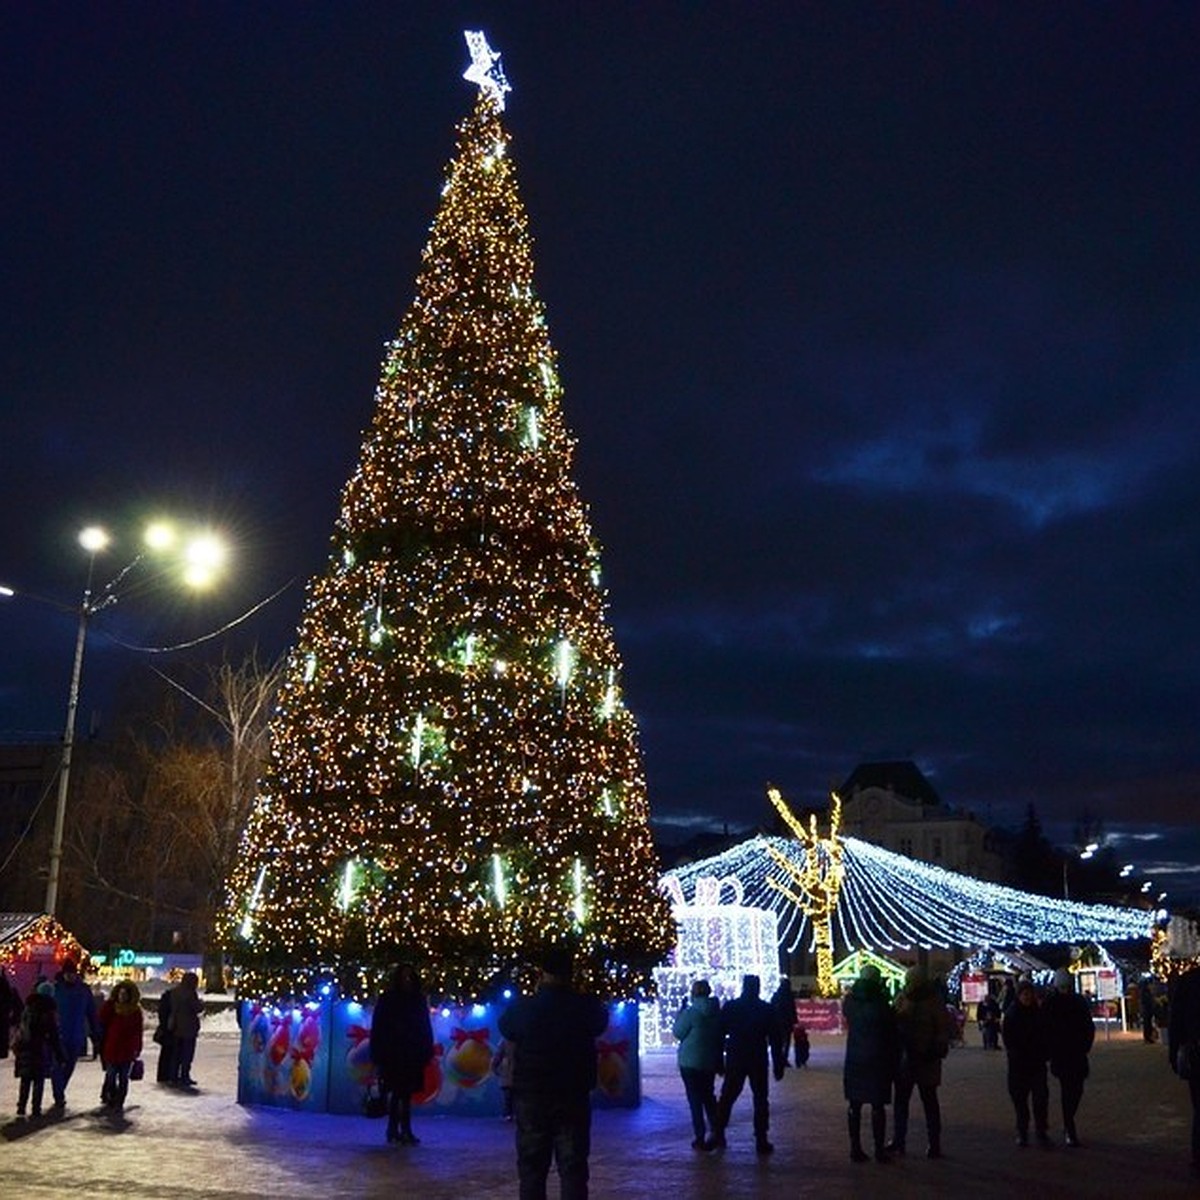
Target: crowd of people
x: 51, y: 1029
x: 546, y: 1061
x: 894, y: 1047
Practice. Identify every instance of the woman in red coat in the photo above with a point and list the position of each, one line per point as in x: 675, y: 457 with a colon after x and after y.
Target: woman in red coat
x: 121, y: 1041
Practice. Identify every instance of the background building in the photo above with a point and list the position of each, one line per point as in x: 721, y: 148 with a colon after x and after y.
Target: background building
x: 893, y: 805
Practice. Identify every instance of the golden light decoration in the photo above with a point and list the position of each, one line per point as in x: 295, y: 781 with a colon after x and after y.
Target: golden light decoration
x: 817, y: 879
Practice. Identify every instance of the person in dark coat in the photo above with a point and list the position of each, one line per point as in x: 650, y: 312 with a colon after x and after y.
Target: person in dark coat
x: 38, y: 1048
x: 924, y: 1027
x: 76, y: 1022
x: 1024, y: 1033
x: 801, y: 1047
x: 988, y: 1016
x: 502, y: 1068
x: 872, y: 1048
x: 184, y: 1020
x: 746, y: 1025
x: 1008, y: 997
x: 783, y: 1006
x: 165, y: 1071
x: 1183, y: 1031
x: 697, y: 1029
x: 1146, y: 1003
x: 1070, y: 1032
x: 554, y: 1072
x: 10, y: 1012
x: 401, y: 1047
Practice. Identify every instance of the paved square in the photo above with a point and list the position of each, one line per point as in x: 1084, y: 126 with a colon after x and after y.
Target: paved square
x: 1134, y: 1122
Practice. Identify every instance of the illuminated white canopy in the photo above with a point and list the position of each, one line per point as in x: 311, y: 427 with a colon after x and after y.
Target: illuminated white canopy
x: 485, y: 69
x: 888, y: 902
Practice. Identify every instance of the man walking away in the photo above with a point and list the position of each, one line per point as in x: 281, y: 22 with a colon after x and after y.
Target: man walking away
x: 747, y: 1023
x: 925, y: 1028
x: 554, y: 1072
x: 1183, y: 1042
x: 1025, y: 1043
x: 1070, y: 1032
x: 783, y: 1006
x: 872, y: 1050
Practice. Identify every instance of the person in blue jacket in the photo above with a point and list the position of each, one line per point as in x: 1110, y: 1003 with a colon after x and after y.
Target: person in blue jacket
x: 697, y: 1029
x: 76, y: 1023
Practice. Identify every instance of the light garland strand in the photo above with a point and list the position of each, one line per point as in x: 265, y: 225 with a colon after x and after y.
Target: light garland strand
x: 888, y: 902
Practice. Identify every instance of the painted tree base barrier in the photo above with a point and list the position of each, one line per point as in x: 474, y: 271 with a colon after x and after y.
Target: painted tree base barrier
x: 315, y: 1057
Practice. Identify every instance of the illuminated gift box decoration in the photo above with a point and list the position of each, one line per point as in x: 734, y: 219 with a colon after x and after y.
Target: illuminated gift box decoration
x: 718, y: 940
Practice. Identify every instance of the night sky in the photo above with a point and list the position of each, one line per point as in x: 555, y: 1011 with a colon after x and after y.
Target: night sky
x: 877, y: 323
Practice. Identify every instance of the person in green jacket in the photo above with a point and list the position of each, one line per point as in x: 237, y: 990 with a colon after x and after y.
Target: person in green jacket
x: 697, y: 1029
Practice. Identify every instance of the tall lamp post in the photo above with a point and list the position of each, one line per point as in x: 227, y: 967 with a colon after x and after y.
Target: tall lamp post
x: 201, y: 558
x: 93, y: 540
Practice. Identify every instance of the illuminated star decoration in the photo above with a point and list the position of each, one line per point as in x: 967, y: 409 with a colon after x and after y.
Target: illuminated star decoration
x: 485, y: 69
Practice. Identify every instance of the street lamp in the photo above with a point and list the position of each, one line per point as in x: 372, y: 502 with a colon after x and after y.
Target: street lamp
x: 1087, y: 852
x: 203, y: 556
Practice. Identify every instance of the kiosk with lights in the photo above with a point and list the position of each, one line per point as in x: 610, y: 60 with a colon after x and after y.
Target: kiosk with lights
x: 34, y: 946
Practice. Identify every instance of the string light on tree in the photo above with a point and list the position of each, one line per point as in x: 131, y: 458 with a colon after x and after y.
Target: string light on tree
x: 815, y: 882
x: 451, y: 720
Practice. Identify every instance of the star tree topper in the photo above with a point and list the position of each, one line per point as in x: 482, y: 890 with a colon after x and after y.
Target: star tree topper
x: 485, y: 69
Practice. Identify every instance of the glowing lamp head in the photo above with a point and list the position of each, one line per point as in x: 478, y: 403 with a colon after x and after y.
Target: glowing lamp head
x: 159, y: 536
x: 203, y: 557
x: 93, y: 539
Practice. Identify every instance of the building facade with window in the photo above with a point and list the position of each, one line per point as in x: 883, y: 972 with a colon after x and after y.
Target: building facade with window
x: 893, y: 805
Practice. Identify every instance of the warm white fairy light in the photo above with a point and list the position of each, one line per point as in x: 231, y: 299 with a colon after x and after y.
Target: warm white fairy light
x: 247, y: 920
x: 417, y: 734
x: 563, y: 660
x: 498, y: 883
x: 610, y: 696
x: 578, y: 906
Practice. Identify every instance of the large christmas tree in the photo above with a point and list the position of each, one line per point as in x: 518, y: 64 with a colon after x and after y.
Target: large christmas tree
x: 455, y: 776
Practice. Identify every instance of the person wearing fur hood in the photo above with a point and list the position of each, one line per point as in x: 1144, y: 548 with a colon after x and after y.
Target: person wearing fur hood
x: 121, y: 1040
